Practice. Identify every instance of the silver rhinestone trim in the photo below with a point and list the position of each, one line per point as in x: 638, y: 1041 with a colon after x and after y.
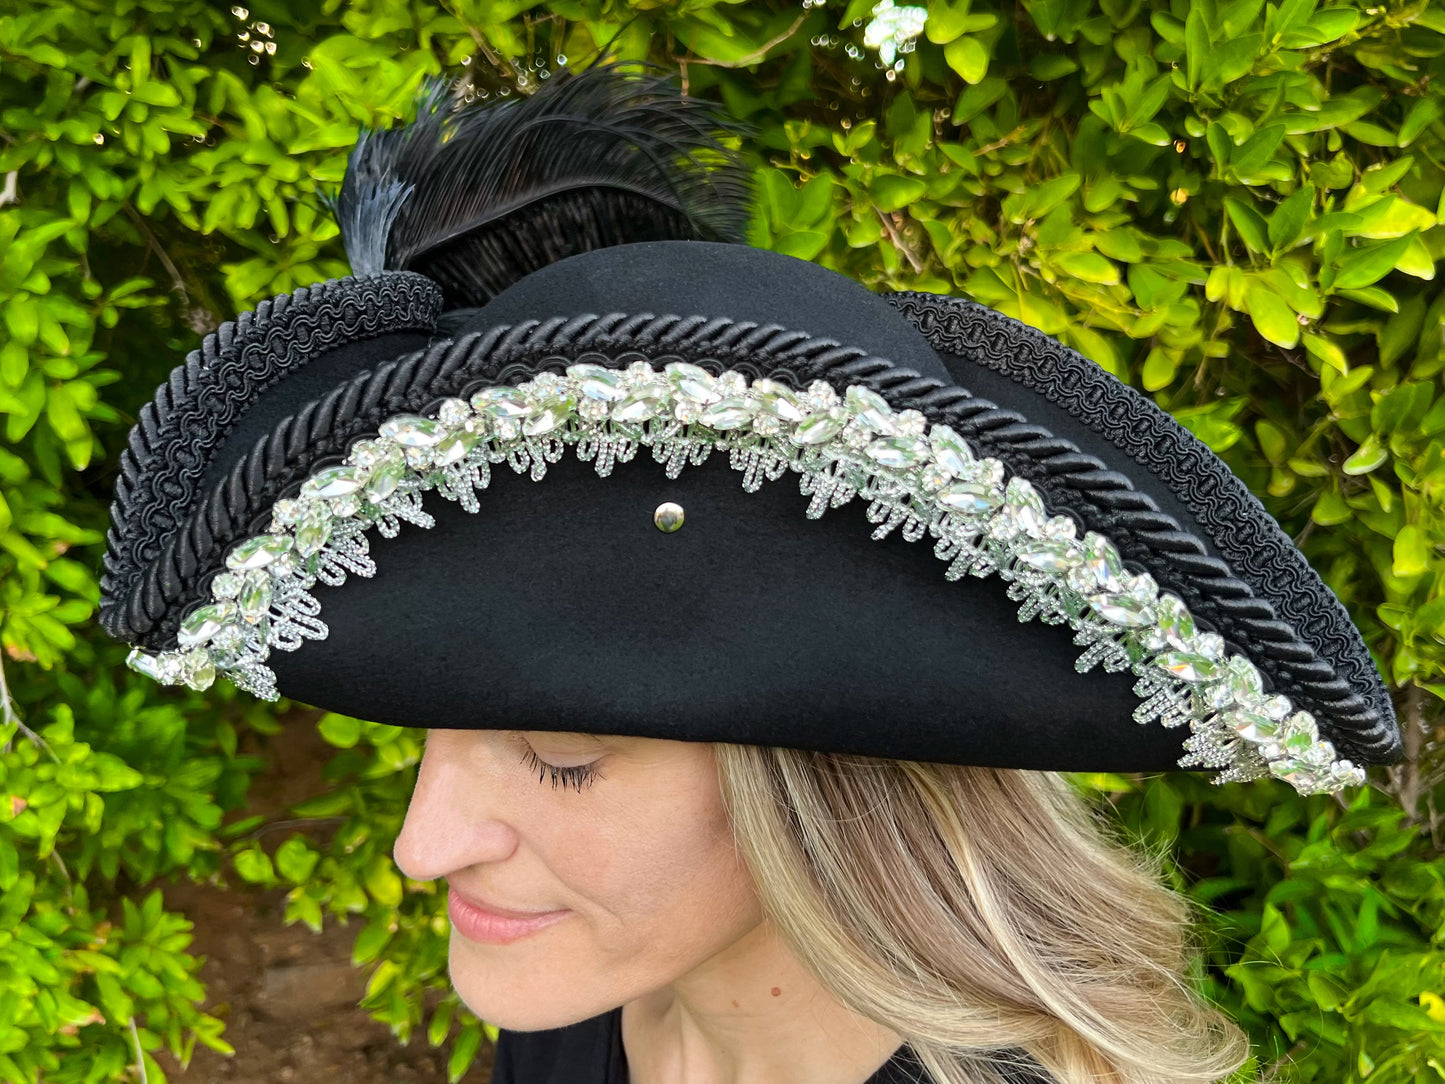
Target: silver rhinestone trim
x: 918, y: 479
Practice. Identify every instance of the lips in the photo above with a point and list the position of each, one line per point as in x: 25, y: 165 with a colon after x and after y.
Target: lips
x: 484, y: 922
x: 484, y: 904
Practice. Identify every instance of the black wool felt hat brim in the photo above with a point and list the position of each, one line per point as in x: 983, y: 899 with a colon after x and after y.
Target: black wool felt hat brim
x: 560, y: 606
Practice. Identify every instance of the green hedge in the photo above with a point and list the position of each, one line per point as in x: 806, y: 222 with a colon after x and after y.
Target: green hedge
x: 1234, y: 206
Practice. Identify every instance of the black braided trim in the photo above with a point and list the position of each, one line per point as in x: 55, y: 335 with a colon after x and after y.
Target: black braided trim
x: 1241, y: 529
x: 1071, y: 482
x: 177, y: 433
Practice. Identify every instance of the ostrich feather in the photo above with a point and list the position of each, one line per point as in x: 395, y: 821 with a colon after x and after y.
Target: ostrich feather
x: 478, y: 194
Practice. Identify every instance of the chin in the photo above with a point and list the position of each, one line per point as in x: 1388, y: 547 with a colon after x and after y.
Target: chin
x: 520, y: 995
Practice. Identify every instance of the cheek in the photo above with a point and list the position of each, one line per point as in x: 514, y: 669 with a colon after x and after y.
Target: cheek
x: 675, y: 876
x: 657, y: 889
x: 656, y: 870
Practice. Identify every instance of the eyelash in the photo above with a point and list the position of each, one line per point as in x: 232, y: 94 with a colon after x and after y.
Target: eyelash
x: 583, y: 775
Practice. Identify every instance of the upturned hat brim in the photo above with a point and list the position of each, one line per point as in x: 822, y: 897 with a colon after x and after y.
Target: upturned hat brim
x: 1126, y: 577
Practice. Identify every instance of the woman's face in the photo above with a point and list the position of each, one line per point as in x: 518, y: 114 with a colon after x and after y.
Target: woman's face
x: 641, y: 858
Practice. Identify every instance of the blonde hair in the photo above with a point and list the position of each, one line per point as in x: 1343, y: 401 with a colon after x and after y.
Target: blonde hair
x: 972, y: 910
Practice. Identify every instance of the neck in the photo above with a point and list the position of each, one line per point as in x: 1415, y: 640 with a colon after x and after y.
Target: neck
x: 750, y: 1015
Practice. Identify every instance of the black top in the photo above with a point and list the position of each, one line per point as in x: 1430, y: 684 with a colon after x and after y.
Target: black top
x: 590, y: 1052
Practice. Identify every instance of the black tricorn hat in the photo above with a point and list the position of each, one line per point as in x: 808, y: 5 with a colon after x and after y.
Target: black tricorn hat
x: 533, y: 468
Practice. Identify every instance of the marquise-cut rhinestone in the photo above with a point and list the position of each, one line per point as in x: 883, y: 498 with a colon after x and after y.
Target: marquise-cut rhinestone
x: 257, y: 552
x: 844, y: 446
x: 385, y: 476
x: 951, y: 450
x: 823, y: 426
x: 693, y: 382
x: 636, y: 408
x: 501, y: 403
x: 333, y: 482
x: 728, y: 413
x: 779, y: 400
x: 597, y: 382
x: 204, y: 623
x: 971, y: 498
x: 412, y: 431
x: 871, y: 409
x: 898, y: 452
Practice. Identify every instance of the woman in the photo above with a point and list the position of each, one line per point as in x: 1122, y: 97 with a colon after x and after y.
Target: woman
x: 812, y: 828
x: 979, y: 911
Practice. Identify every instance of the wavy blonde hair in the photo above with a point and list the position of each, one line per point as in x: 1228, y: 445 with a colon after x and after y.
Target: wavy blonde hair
x: 973, y: 910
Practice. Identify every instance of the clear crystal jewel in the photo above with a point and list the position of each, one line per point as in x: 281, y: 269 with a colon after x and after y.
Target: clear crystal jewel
x: 973, y: 498
x: 412, y: 430
x: 598, y: 382
x: 257, y: 552
x: 636, y: 408
x: 332, y: 482
x: 226, y: 585
x: 544, y: 421
x: 820, y: 395
x: 871, y: 409
x: 898, y: 452
x: 1189, y: 666
x: 821, y: 427
x: 1122, y: 610
x: 197, y: 669
x: 950, y: 450
x: 693, y: 382
x: 779, y: 400
x: 501, y: 403
x: 731, y: 412
x: 203, y: 623
x: 1048, y: 555
x: 910, y: 423
x: 453, y: 412
x: 285, y: 511
x: 254, y: 598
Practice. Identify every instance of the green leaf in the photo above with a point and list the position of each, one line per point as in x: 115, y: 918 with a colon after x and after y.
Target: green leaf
x: 254, y: 865
x: 1196, y: 45
x: 1046, y: 67
x: 1330, y: 508
x: 1374, y: 297
x: 1417, y: 260
x: 1251, y: 155
x: 371, y: 941
x: 1369, y: 455
x: 1423, y: 113
x: 1272, y: 317
x: 382, y: 882
x: 892, y: 191
x: 968, y: 57
x: 341, y: 731
x: 464, y: 1052
x: 1411, y: 554
x: 1287, y: 221
x: 1088, y: 267
x: 295, y: 859
x: 1250, y: 224
x: 441, y: 1023
x: 1369, y: 263
x: 1039, y: 200
x: 1327, y: 351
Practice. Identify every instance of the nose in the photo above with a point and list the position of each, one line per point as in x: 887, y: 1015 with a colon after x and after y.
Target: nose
x: 453, y: 820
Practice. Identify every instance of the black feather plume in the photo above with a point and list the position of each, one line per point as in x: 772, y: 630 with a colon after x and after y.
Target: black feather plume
x: 477, y: 195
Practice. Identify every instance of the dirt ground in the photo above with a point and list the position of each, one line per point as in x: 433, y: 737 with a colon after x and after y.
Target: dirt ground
x: 288, y: 996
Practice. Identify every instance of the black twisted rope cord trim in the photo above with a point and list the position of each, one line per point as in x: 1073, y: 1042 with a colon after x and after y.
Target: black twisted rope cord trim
x: 1241, y: 529
x: 178, y: 431
x: 1070, y: 482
